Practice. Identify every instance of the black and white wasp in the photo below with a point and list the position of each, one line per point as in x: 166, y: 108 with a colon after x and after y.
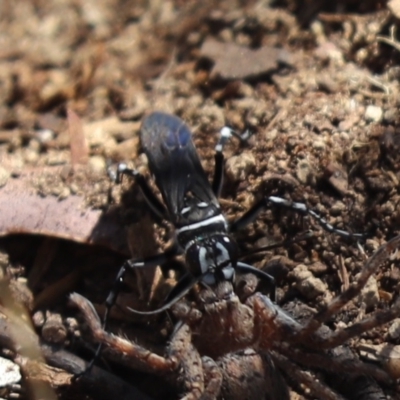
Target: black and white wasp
x: 202, y: 232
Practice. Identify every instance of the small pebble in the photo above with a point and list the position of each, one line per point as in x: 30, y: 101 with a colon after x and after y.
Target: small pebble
x: 369, y: 294
x: 97, y: 164
x: 38, y: 319
x: 391, y: 116
x: 53, y: 330
x: 304, y: 171
x: 308, y: 285
x: 9, y: 372
x: 394, y: 7
x: 393, y: 332
x: 238, y: 167
x: 4, y: 176
x: 45, y: 135
x: 373, y: 113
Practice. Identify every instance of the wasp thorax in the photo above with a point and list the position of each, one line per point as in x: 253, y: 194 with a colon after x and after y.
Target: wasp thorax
x: 212, y: 257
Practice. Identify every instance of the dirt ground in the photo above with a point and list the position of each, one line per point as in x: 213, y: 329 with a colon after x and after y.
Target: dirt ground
x: 315, y: 82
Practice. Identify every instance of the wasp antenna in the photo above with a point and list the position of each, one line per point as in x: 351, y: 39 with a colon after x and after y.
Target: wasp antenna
x: 184, y: 285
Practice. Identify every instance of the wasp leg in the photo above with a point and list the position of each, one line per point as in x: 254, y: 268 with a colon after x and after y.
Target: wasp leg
x: 152, y: 200
x: 147, y: 262
x: 267, y: 202
x: 218, y: 179
x: 225, y: 134
x: 153, y: 261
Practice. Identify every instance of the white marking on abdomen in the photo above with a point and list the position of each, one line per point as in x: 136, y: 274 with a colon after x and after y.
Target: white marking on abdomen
x: 206, y: 222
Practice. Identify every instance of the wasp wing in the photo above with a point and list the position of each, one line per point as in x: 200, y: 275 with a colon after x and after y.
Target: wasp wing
x: 173, y: 160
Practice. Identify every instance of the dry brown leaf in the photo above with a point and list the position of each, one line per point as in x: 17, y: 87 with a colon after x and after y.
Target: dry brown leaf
x: 25, y: 211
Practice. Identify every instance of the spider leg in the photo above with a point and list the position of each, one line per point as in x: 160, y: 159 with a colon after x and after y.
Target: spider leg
x: 350, y: 376
x: 213, y: 378
x: 340, y: 362
x: 267, y: 202
x: 190, y: 372
x: 199, y: 390
x: 116, y: 287
x: 382, y: 254
x: 274, y: 325
x: 376, y: 319
x: 276, y: 329
x: 271, y: 323
x: 117, y: 345
x: 247, y: 374
x: 318, y: 390
x: 182, y: 357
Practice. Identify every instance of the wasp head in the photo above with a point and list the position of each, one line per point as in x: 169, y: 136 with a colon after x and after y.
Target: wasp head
x: 214, y: 257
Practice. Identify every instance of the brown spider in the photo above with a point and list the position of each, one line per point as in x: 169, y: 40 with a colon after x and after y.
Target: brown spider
x: 234, y: 344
